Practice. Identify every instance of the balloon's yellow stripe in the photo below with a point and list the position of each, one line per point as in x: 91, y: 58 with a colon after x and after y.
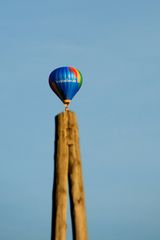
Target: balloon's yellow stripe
x: 78, y: 77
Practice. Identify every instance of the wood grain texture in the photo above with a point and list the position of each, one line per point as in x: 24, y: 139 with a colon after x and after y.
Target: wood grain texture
x: 76, y: 189
x: 68, y: 167
x: 59, y: 208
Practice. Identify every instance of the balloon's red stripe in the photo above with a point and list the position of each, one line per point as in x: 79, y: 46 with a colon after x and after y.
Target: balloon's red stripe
x: 74, y: 71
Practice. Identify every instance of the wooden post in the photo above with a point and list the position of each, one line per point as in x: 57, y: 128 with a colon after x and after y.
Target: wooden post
x: 77, y: 197
x: 68, y: 167
x: 59, y: 205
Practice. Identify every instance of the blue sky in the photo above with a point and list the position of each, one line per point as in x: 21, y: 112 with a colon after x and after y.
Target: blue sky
x: 116, y: 46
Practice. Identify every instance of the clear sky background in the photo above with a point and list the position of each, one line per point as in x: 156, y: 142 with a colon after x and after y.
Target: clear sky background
x: 116, y: 45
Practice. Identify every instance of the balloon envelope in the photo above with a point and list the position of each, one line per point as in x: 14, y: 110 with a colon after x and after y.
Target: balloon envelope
x: 65, y: 82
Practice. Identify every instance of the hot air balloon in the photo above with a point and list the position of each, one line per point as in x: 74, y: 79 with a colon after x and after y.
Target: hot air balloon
x: 65, y: 83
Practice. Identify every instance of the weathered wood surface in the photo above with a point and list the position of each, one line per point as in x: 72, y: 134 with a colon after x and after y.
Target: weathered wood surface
x: 76, y: 189
x: 68, y: 167
x: 59, y: 211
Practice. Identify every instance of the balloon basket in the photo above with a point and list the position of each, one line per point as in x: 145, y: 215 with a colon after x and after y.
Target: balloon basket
x: 66, y: 104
